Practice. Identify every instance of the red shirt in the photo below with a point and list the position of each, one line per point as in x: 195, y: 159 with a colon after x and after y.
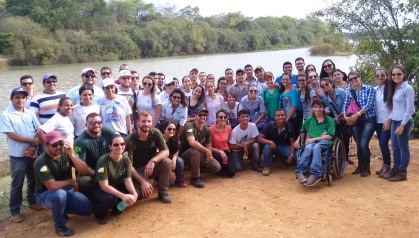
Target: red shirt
x: 220, y: 139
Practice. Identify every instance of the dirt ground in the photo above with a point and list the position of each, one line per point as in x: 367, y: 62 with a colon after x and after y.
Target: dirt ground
x: 252, y: 205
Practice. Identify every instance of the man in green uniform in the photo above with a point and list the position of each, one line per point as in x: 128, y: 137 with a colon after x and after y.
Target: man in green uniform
x: 55, y: 187
x: 196, y: 148
x: 149, y: 155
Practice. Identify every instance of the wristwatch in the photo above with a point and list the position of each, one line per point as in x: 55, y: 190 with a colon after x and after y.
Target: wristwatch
x: 153, y: 160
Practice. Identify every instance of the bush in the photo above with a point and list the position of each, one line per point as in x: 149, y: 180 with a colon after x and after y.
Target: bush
x: 322, y: 49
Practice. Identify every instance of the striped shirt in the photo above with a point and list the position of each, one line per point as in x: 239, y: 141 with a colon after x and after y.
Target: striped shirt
x: 45, y: 105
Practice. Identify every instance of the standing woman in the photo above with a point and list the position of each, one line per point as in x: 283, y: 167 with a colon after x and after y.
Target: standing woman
x: 307, y: 95
x: 148, y: 101
x: 59, y: 122
x: 310, y: 68
x: 400, y: 100
x: 232, y: 108
x: 222, y: 87
x: 84, y: 108
x: 327, y: 69
x: 220, y: 135
x: 196, y: 102
x: 175, y: 109
x: 114, y: 109
x: 314, y: 83
x: 213, y: 102
x: 364, y: 129
x: 338, y: 82
x: 172, y: 141
x: 290, y: 102
x: 186, y: 82
x: 256, y: 106
x: 270, y: 95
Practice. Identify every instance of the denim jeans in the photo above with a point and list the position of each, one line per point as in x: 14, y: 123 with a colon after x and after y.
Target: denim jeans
x: 19, y: 168
x: 383, y: 138
x: 230, y: 167
x: 312, y: 151
x: 64, y: 201
x: 400, y: 145
x: 284, y: 151
x: 253, y: 155
x: 363, y: 132
x: 180, y: 165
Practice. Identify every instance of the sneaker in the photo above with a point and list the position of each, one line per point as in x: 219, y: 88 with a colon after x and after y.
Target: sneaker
x: 357, y: 170
x: 102, y: 221
x: 17, y: 218
x: 197, y: 183
x: 36, y: 207
x: 165, y: 198
x: 266, y: 171
x: 400, y: 176
x: 384, y: 171
x: 378, y: 172
x: 181, y: 184
x: 301, y: 178
x: 64, y: 231
x: 257, y: 168
x: 312, y: 180
x: 390, y: 173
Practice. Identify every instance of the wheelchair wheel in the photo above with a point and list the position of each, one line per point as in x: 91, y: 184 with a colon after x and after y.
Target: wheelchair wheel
x: 338, y: 158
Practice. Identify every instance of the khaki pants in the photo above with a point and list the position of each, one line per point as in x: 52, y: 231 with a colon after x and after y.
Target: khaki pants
x: 162, y: 170
x: 198, y: 159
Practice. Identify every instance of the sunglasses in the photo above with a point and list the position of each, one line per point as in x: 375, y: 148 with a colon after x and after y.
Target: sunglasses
x: 56, y: 144
x: 311, y: 70
x: 117, y: 145
x: 92, y: 123
x: 398, y: 74
x: 312, y: 77
x: 380, y: 75
x: 26, y: 84
x: 324, y: 85
x: 176, y: 97
x: 253, y: 91
x: 89, y: 75
x: 202, y: 115
x: 51, y: 81
x: 301, y: 80
x: 327, y: 66
x: 222, y: 117
x: 171, y: 129
x: 147, y: 84
x: 106, y: 73
x: 224, y: 84
x: 136, y: 78
x: 352, y: 79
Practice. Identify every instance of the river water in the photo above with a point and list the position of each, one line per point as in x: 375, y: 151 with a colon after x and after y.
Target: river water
x: 69, y: 75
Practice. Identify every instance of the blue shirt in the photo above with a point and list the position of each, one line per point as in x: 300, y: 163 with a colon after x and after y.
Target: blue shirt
x: 403, y: 103
x: 294, y: 97
x: 365, y: 98
x: 335, y: 106
x: 178, y: 116
x: 293, y: 80
x: 255, y: 108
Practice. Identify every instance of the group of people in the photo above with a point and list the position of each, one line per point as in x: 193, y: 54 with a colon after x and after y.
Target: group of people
x: 119, y: 134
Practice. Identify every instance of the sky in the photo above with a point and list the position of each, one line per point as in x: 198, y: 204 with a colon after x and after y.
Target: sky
x: 276, y: 8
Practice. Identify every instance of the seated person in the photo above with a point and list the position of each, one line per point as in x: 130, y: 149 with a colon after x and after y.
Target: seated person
x: 321, y: 129
x: 243, y: 142
x: 278, y: 137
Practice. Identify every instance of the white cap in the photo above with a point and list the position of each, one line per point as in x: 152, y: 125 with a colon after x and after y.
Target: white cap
x: 85, y: 70
x: 124, y: 72
x: 168, y: 80
x: 107, y: 82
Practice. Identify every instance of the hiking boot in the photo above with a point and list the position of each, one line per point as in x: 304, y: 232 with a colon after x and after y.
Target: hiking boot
x: 102, y: 221
x: 385, y: 170
x: 36, y: 207
x: 390, y: 173
x: 378, y: 172
x: 257, y: 168
x: 17, y: 218
x: 64, y: 231
x: 266, y: 171
x: 301, y: 178
x: 165, y: 198
x: 197, y: 183
x: 365, y: 172
x: 312, y: 180
x: 358, y: 170
x: 400, y: 176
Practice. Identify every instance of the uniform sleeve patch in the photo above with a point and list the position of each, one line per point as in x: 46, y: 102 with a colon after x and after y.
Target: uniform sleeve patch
x: 43, y: 169
x: 77, y: 149
x: 101, y: 170
x: 190, y: 130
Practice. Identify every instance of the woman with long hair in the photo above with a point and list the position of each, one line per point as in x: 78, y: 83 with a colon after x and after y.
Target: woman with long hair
x: 289, y: 100
x: 186, y: 82
x: 196, y: 102
x: 222, y: 87
x: 147, y: 100
x: 306, y: 95
x: 338, y: 77
x: 270, y: 95
x: 310, y: 68
x: 220, y: 135
x: 363, y: 129
x: 327, y: 69
x: 84, y: 108
x: 232, y: 108
x: 175, y: 109
x: 400, y: 100
x: 213, y: 102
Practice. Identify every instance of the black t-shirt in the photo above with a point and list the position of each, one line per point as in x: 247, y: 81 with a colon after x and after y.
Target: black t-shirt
x: 272, y: 133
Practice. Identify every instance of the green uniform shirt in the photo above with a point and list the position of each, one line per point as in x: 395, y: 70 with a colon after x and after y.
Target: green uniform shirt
x: 47, y: 168
x: 91, y: 149
x: 202, y: 136
x: 114, y: 172
x: 316, y: 129
x: 140, y: 152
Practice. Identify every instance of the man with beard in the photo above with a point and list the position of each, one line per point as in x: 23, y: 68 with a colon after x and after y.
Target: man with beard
x: 91, y: 145
x: 88, y: 77
x: 149, y: 155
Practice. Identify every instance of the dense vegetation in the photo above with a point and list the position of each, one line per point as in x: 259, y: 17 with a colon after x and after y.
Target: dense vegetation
x: 36, y: 32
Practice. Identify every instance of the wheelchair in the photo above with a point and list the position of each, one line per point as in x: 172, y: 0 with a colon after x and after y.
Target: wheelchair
x: 333, y: 159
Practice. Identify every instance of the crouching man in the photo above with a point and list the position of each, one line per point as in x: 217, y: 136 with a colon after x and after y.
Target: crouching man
x: 55, y: 187
x: 320, y: 131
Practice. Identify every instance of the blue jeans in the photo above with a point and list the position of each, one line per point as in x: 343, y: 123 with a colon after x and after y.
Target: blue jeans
x: 19, y: 168
x: 400, y: 145
x: 383, y: 138
x: 284, y: 151
x: 64, y: 201
x: 312, y: 151
x: 180, y: 165
x: 363, y: 132
x: 253, y: 155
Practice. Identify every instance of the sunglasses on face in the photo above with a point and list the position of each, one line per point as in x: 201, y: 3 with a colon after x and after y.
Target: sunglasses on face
x: 352, y: 79
x: 59, y: 143
x: 224, y: 84
x: 398, y: 74
x: 106, y: 73
x: 135, y: 78
x: 171, y: 129
x: 92, y: 123
x: 327, y: 66
x: 202, y: 115
x: 380, y: 75
x: 89, y: 75
x: 26, y: 84
x: 176, y: 97
x: 301, y: 80
x: 117, y: 145
x: 147, y: 84
x: 324, y: 85
x: 312, y: 77
x: 311, y: 70
x: 51, y: 81
x: 253, y: 91
x: 222, y: 117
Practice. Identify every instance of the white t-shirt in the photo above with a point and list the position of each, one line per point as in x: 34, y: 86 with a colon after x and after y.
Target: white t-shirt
x: 144, y: 103
x: 213, y: 106
x: 61, y: 124
x: 78, y: 118
x: 114, y: 113
x: 238, y: 135
x: 233, y: 113
x: 164, y: 97
x: 128, y: 95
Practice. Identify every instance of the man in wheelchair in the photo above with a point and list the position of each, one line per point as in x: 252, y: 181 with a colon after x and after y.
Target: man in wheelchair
x: 319, y: 130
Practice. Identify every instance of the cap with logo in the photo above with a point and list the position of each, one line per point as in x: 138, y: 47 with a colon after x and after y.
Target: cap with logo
x: 124, y: 72
x: 85, y: 70
x: 18, y: 90
x: 47, y: 76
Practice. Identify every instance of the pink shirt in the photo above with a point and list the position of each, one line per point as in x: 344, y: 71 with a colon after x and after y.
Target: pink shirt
x: 220, y: 139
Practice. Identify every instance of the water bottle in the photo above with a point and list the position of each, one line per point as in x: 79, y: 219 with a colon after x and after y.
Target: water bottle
x: 122, y: 205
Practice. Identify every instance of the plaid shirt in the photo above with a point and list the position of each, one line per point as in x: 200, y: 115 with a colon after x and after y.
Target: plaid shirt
x: 365, y: 98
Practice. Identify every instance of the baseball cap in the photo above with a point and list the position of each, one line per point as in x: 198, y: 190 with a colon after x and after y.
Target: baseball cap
x: 47, y: 76
x: 107, y: 82
x: 124, y: 72
x: 204, y: 109
x: 168, y: 80
x: 85, y: 70
x: 194, y: 69
x: 239, y: 70
x: 18, y: 90
x: 52, y: 137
